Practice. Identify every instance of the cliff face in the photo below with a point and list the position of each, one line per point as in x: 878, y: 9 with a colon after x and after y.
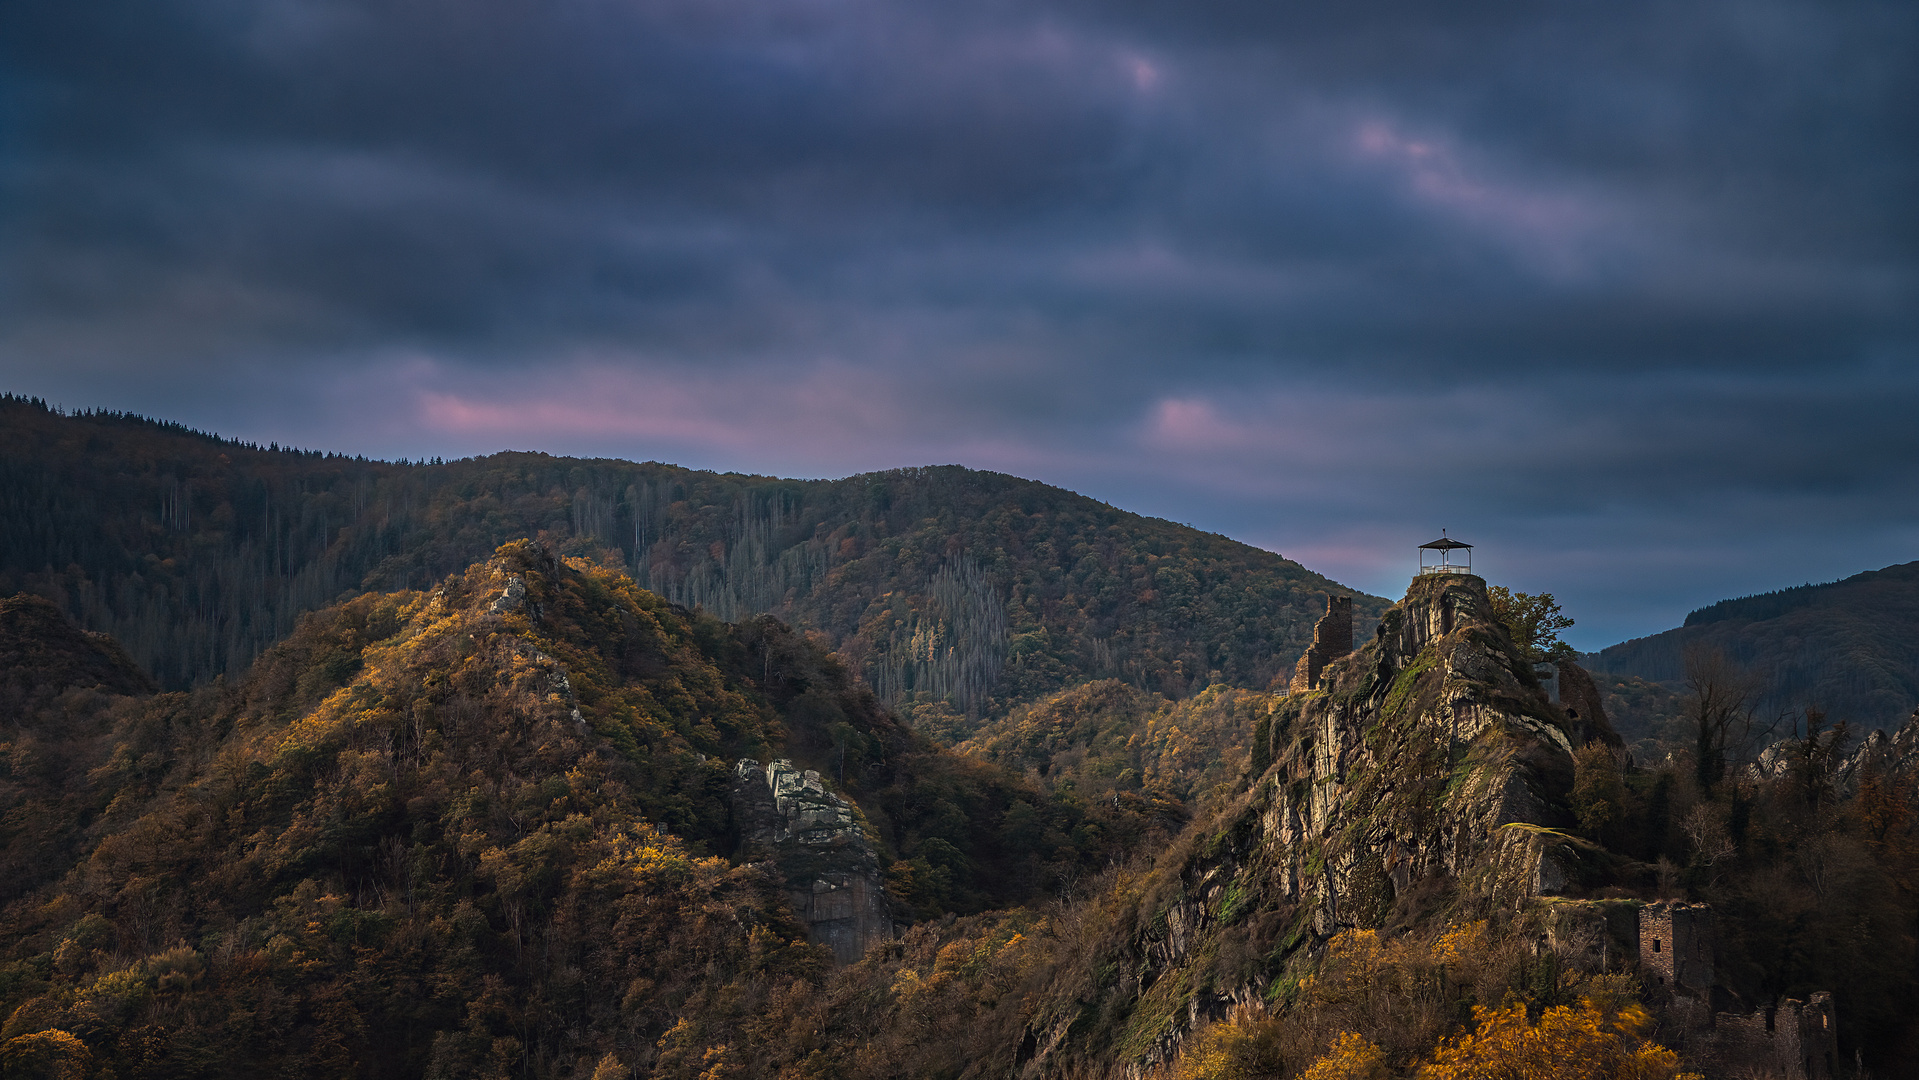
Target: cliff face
x: 815, y: 839
x: 1431, y: 754
x: 1428, y: 770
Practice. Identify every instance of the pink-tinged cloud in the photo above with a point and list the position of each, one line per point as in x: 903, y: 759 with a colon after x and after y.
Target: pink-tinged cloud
x: 829, y: 408
x: 1555, y: 230
x: 1144, y: 73
x: 823, y: 419
x: 1184, y: 424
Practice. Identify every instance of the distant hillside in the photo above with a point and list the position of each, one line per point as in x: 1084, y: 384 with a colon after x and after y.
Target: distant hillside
x: 1850, y: 647
x: 42, y: 654
x: 1105, y: 738
x: 939, y: 585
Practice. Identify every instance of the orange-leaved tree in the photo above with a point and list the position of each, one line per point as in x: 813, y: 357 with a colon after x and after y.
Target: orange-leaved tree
x: 1351, y: 1057
x: 1597, y: 1039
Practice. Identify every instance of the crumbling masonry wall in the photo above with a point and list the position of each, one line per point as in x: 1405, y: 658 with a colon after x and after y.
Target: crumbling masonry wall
x: 1794, y: 1039
x: 1332, y: 639
x: 1676, y: 950
x: 1675, y: 946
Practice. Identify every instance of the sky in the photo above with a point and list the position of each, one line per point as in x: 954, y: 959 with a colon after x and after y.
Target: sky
x: 1622, y: 293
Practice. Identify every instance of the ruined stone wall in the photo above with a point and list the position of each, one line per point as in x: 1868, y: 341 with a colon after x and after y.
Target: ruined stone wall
x: 1332, y: 639
x: 1676, y: 950
x: 815, y: 839
x: 1673, y: 945
x: 1793, y: 1039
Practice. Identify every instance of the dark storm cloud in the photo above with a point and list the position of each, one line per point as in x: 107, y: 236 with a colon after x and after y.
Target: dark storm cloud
x: 1589, y: 278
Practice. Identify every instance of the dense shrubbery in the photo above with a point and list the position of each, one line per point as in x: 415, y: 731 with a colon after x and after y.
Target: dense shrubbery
x: 1816, y: 888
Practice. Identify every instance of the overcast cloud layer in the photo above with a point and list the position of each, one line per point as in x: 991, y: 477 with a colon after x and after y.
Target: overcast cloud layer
x: 1624, y: 293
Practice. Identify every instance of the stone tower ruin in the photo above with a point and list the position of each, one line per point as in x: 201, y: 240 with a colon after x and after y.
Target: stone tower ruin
x: 1332, y: 639
x: 1676, y: 950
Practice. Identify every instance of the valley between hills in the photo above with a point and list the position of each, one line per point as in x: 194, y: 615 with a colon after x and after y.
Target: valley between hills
x: 529, y: 766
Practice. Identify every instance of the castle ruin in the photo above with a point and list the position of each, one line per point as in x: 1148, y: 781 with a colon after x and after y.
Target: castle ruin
x: 1676, y: 950
x: 1790, y: 1038
x: 1332, y: 639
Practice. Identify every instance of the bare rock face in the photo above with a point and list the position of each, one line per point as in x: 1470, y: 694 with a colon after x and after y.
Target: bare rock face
x: 511, y: 598
x: 1892, y: 759
x: 1433, y: 755
x: 1895, y: 757
x: 816, y: 839
x: 1429, y: 770
x: 1580, y: 700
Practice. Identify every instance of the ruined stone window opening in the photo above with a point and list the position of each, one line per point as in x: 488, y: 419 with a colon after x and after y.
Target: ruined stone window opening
x: 1655, y: 944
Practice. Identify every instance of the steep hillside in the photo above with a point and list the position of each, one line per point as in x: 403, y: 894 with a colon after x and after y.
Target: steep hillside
x: 62, y: 691
x: 43, y: 655
x: 1849, y: 647
x: 1429, y: 880
x: 538, y: 822
x: 1106, y: 739
x: 475, y: 831
x: 939, y: 585
x: 1429, y: 773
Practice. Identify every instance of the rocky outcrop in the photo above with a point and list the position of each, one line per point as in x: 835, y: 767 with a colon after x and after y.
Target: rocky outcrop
x: 1332, y: 639
x: 818, y: 841
x: 1428, y: 770
x: 1580, y: 700
x: 511, y: 598
x: 1433, y: 754
x: 1892, y: 758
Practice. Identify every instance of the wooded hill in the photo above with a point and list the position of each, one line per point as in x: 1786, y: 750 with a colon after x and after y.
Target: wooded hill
x: 485, y: 830
x: 435, y: 834
x: 1848, y: 647
x: 938, y: 585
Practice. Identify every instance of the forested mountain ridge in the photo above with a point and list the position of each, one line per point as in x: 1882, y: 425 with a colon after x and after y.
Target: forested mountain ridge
x: 488, y: 829
x: 476, y: 831
x: 938, y: 584
x: 1850, y: 648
